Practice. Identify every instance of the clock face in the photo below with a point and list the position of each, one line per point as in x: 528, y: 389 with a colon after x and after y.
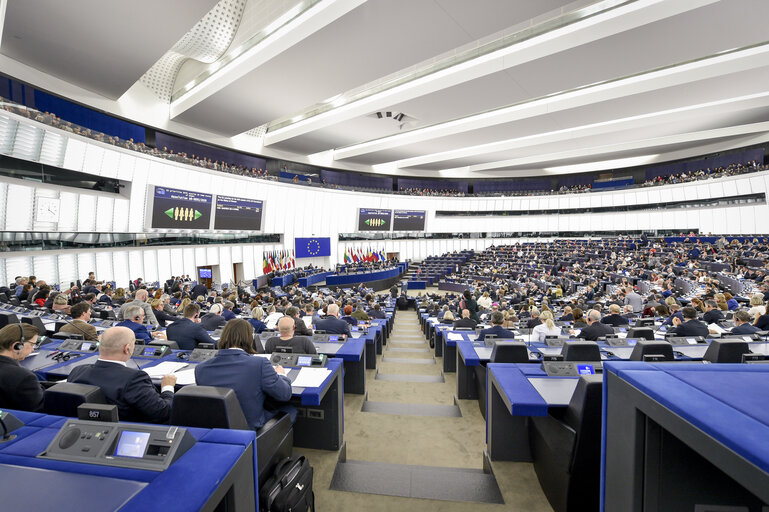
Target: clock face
x: 47, y: 209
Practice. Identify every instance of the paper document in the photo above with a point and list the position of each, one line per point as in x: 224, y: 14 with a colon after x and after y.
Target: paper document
x: 164, y: 368
x: 311, y: 377
x: 716, y: 328
x: 453, y: 336
x: 185, y: 377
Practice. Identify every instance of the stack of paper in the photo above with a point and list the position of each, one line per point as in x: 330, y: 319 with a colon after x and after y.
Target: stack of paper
x: 164, y: 368
x: 311, y: 377
x: 453, y: 336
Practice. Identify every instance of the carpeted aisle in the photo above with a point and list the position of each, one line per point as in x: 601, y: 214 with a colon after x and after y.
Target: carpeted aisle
x: 411, y: 445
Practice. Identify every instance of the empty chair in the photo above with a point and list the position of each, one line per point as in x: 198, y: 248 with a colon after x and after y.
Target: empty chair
x: 35, y: 321
x: 566, y: 448
x: 63, y: 399
x: 509, y: 352
x: 14, y: 301
x: 171, y: 344
x: 651, y: 348
x: 726, y: 351
x: 581, y: 351
x: 641, y: 332
x: 4, y: 298
x: 8, y: 318
x: 214, y: 407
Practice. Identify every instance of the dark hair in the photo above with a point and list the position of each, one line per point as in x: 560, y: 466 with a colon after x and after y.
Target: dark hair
x: 191, y: 310
x: 742, y: 316
x: 238, y: 333
x: 497, y: 318
x: 10, y: 334
x: 689, y: 312
x: 578, y: 314
x: 467, y: 294
x: 79, y: 309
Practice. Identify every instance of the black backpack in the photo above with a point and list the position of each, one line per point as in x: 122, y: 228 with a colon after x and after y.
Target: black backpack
x: 289, y: 488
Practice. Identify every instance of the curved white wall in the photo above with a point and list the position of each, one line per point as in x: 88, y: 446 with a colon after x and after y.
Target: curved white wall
x: 297, y: 211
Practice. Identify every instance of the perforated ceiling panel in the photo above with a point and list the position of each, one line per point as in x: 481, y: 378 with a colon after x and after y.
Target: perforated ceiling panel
x: 206, y: 42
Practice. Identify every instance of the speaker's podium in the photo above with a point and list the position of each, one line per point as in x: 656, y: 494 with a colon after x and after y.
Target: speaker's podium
x: 685, y: 437
x: 65, y: 464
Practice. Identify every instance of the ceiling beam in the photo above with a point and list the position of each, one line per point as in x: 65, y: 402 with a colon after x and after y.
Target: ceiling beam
x: 598, y: 26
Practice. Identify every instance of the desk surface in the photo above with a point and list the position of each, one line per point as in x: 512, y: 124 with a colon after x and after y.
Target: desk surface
x: 519, y: 393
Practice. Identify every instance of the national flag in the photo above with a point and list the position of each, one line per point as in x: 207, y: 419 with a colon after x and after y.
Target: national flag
x: 354, y: 255
x: 265, y: 263
x: 347, y: 258
x: 382, y: 256
x: 293, y: 258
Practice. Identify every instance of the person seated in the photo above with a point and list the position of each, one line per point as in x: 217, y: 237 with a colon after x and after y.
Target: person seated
x: 213, y: 320
x: 731, y: 302
x: 595, y: 329
x: 713, y: 314
x: 134, y: 320
x: 742, y: 324
x: 567, y: 315
x: 614, y: 318
x: 448, y: 318
x: 546, y: 328
x: 187, y: 332
x: 360, y: 314
x: 81, y: 314
x: 19, y: 388
x: 130, y: 389
x: 690, y: 326
x: 348, y: 316
x: 256, y: 320
x: 534, y: 320
x: 61, y: 304
x: 332, y: 324
x: 300, y: 328
x: 497, y: 318
x: 227, y: 312
x: 579, y: 319
x: 675, y: 313
x: 465, y: 321
x: 161, y: 315
x: 376, y: 312
x: 252, y: 378
x: 287, y: 338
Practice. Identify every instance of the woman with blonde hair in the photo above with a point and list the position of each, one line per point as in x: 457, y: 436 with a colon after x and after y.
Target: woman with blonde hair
x: 721, y: 301
x: 546, y: 328
x: 757, y: 307
x: 484, y: 301
x: 448, y: 318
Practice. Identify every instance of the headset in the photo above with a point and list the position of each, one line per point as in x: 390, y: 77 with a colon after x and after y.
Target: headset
x: 19, y: 345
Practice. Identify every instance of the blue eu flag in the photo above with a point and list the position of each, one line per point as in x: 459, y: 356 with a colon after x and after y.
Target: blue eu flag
x: 312, y: 247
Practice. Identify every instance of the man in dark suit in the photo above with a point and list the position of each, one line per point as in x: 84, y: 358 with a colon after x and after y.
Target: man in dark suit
x: 376, y: 312
x: 227, y: 312
x: 298, y: 344
x: 128, y: 388
x: 300, y: 328
x: 690, y: 326
x: 742, y: 324
x: 465, y: 321
x: 712, y: 313
x: 614, y: 318
x: 187, y: 332
x: 595, y: 329
x: 252, y: 378
x: 567, y: 316
x: 497, y: 319
x: 332, y: 324
x: 198, y: 290
x: 134, y: 316
x: 213, y: 320
x: 19, y: 387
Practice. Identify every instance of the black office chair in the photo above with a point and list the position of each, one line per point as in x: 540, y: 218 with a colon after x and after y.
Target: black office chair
x: 67, y: 336
x: 566, y: 448
x: 7, y: 319
x: 213, y: 407
x: 35, y: 321
x: 652, y: 348
x: 503, y: 352
x: 581, y: 351
x: 726, y: 351
x: 171, y: 344
x: 63, y: 399
x: 641, y: 332
x: 4, y: 298
x: 14, y: 301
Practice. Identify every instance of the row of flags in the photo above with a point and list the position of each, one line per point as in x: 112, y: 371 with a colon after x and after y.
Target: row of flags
x: 358, y: 254
x: 278, y: 260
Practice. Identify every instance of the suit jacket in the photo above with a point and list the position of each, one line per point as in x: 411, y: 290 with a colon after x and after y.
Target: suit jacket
x: 149, y: 314
x: 164, y: 317
x: 87, y: 330
x: 500, y: 331
x: 187, y: 334
x: 228, y: 315
x: 373, y: 313
x: 333, y: 326
x: 141, y: 333
x: 744, y: 329
x: 614, y: 320
x: 258, y: 325
x: 298, y: 344
x: 19, y: 388
x: 595, y: 330
x: 198, y: 290
x: 465, y: 322
x: 690, y: 328
x: 250, y: 377
x: 300, y: 328
x: 713, y: 316
x: 130, y: 389
x: 212, y: 322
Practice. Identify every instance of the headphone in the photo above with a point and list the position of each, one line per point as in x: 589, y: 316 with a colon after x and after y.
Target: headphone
x: 19, y: 344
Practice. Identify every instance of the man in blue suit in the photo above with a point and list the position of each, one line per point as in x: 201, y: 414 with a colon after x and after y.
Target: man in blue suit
x: 497, y: 319
x: 187, y: 332
x: 742, y: 324
x: 332, y: 324
x: 252, y: 378
x: 128, y: 388
x: 134, y: 316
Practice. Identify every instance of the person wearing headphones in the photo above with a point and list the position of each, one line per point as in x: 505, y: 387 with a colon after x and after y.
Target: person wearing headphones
x: 134, y: 320
x: 187, y: 332
x: 19, y: 387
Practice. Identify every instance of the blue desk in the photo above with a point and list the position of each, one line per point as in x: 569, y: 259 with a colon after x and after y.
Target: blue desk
x: 510, y: 399
x: 416, y: 285
x: 283, y: 280
x: 671, y: 432
x: 304, y: 282
x: 353, y: 353
x: 220, y: 461
x: 339, y: 280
